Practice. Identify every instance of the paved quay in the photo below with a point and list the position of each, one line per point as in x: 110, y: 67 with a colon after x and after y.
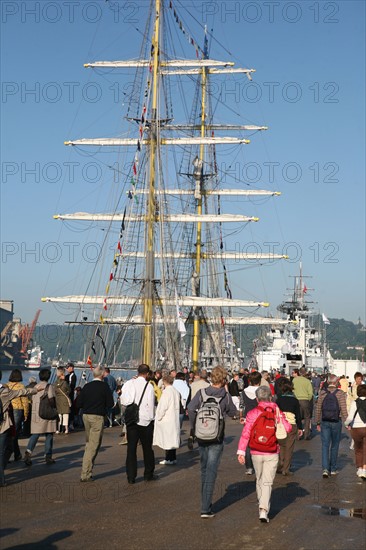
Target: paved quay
x: 47, y: 506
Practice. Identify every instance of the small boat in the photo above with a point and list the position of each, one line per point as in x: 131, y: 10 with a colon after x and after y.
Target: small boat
x: 35, y: 358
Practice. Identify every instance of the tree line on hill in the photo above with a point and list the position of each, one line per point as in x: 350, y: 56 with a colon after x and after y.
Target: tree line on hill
x: 345, y: 339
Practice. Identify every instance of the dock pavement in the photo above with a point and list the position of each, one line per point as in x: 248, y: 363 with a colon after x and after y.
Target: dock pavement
x: 46, y: 506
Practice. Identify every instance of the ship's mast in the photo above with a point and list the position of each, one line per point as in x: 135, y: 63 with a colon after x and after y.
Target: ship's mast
x: 148, y: 337
x: 198, y: 172
x: 143, y: 306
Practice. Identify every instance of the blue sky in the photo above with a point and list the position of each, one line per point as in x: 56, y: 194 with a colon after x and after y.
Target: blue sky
x: 310, y: 89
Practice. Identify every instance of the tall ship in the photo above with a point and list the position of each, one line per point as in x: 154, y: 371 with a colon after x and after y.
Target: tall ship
x: 297, y: 342
x: 161, y: 284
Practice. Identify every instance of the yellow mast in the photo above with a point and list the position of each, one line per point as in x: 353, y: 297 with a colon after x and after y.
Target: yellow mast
x: 147, y: 355
x: 196, y: 321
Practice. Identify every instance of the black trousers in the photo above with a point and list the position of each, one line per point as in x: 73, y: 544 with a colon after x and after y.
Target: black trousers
x: 136, y: 433
x: 171, y: 454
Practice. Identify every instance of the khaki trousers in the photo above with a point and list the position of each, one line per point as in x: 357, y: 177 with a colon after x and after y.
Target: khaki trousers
x: 94, y: 425
x: 265, y: 467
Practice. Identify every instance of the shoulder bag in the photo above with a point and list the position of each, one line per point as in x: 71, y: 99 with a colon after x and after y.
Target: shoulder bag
x: 132, y: 412
x: 47, y: 406
x: 354, y: 416
x: 280, y: 428
x: 67, y: 397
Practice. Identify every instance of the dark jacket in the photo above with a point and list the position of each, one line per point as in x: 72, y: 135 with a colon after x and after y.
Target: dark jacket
x: 234, y: 388
x: 288, y: 403
x: 71, y: 380
x: 111, y: 381
x: 95, y: 398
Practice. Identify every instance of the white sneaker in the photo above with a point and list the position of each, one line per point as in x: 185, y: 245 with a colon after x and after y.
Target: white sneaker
x: 167, y: 462
x: 263, y: 515
x: 359, y: 472
x: 207, y: 515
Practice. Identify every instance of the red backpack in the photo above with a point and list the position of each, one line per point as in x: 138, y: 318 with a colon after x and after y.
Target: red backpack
x: 263, y: 435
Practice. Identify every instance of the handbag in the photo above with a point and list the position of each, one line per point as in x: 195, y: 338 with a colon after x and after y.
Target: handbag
x: 132, y: 412
x: 354, y: 416
x: 280, y: 428
x: 47, y: 406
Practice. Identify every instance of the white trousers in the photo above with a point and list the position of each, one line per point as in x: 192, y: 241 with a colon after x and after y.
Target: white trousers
x: 236, y: 401
x: 64, y: 420
x: 265, y: 467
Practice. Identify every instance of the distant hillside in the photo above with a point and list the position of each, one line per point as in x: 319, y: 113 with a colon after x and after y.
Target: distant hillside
x: 74, y: 343
x: 345, y: 339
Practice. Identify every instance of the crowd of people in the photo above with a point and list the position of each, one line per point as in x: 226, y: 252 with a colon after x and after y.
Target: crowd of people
x: 275, y: 411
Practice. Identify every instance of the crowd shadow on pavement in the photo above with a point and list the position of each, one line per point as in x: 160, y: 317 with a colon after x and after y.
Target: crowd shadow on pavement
x: 234, y: 493
x: 6, y: 532
x: 282, y: 497
x: 301, y: 459
x: 17, y: 472
x: 48, y: 542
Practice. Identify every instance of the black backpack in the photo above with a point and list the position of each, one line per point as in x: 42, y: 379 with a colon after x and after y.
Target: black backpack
x: 330, y: 407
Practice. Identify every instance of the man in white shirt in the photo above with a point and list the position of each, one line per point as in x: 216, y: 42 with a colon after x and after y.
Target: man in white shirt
x: 143, y: 430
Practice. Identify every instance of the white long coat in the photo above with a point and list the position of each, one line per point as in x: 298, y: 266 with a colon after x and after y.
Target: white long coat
x: 167, y: 428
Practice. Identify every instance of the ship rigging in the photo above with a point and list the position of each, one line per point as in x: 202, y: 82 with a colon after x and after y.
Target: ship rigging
x: 168, y: 275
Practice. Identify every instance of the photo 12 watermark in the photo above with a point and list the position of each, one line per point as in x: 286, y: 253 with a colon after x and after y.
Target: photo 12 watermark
x: 273, y: 172
x: 30, y: 12
x: 238, y: 12
x: 267, y: 172
x: 234, y: 91
x: 73, y: 252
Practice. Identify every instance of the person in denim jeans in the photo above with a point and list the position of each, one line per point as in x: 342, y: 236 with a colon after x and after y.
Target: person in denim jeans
x: 20, y: 409
x: 210, y: 453
x: 6, y: 396
x: 40, y: 426
x: 330, y: 430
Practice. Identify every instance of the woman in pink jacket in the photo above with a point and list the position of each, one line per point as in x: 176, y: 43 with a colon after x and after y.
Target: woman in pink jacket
x: 265, y: 455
